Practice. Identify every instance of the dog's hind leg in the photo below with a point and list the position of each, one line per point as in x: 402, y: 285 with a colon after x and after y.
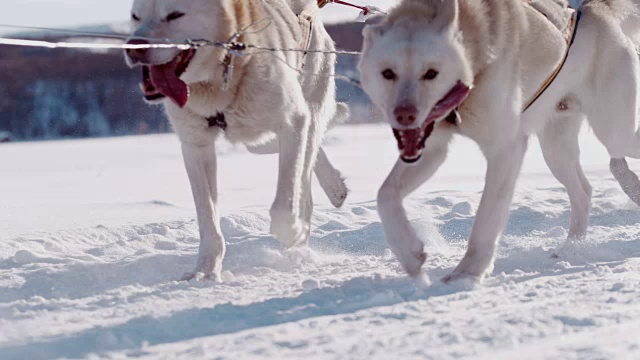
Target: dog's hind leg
x: 403, y: 180
x: 330, y: 179
x: 628, y: 180
x: 561, y: 150
x: 288, y: 221
x: 317, y: 129
x: 614, y: 116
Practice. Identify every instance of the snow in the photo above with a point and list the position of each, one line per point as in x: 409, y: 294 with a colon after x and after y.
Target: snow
x: 95, y: 233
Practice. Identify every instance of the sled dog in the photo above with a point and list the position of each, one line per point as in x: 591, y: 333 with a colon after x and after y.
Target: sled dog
x: 442, y: 67
x: 262, y: 100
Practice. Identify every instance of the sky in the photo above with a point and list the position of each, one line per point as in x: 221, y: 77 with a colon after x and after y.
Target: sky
x: 63, y: 13
x: 71, y: 13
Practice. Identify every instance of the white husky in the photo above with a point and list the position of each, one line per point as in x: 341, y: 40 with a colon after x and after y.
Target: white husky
x: 263, y: 103
x: 487, y: 59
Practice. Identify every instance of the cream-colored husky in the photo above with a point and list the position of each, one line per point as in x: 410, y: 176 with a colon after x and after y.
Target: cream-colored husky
x: 476, y: 65
x: 263, y: 103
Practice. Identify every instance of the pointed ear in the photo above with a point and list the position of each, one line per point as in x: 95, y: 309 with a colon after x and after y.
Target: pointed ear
x: 447, y: 16
x: 376, y: 20
x: 375, y: 28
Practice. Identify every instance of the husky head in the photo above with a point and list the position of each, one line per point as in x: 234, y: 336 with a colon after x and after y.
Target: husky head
x: 166, y: 73
x: 414, y: 68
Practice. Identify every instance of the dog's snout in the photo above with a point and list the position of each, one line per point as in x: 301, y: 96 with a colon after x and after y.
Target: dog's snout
x: 406, y: 114
x: 137, y: 54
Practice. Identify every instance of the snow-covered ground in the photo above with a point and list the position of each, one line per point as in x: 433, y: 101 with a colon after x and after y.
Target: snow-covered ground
x: 94, y: 235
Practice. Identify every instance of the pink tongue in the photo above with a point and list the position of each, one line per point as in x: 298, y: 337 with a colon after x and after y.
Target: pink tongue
x: 452, y: 100
x: 168, y: 84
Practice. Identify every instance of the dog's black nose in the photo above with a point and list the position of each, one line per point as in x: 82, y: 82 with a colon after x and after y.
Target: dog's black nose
x: 138, y: 54
x: 406, y: 114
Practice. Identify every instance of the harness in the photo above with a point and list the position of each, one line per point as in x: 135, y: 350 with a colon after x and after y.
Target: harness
x: 305, y: 21
x: 218, y: 120
x: 569, y: 35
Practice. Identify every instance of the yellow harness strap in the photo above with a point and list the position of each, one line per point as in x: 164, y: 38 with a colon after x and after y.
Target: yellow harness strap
x: 569, y: 36
x: 305, y: 19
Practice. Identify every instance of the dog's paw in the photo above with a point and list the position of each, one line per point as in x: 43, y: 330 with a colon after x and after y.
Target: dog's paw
x: 412, y: 258
x: 202, y: 276
x: 331, y: 181
x: 462, y: 278
x: 409, y: 250
x: 338, y: 196
x: 207, y: 269
x: 336, y: 189
x: 473, y: 267
x: 413, y: 262
x: 572, y: 247
x: 289, y: 230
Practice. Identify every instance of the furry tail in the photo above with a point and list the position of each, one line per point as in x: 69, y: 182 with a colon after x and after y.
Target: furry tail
x: 627, y: 179
x: 342, y: 115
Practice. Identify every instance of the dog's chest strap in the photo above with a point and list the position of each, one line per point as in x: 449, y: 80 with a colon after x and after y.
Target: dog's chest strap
x: 569, y: 35
x: 305, y: 20
x: 218, y: 120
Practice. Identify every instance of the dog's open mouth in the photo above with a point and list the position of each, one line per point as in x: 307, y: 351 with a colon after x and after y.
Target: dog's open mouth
x: 160, y: 81
x: 411, y: 142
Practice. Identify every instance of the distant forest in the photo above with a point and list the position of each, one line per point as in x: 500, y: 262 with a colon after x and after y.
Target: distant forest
x: 52, y: 94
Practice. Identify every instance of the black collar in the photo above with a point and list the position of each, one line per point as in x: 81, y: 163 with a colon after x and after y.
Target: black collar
x: 453, y: 117
x: 217, y: 120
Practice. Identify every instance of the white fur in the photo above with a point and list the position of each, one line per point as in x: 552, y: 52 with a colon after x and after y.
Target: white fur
x: 506, y: 49
x: 269, y: 107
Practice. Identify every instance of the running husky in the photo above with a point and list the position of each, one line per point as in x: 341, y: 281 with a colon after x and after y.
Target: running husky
x: 263, y: 103
x: 476, y: 65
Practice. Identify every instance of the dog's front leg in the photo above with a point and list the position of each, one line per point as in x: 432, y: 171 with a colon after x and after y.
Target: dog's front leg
x: 287, y: 223
x: 201, y: 164
x: 403, y: 180
x: 503, y: 168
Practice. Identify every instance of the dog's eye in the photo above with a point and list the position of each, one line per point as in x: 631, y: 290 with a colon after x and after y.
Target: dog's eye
x: 430, y: 75
x: 389, y: 74
x: 174, y: 16
x: 135, y: 17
